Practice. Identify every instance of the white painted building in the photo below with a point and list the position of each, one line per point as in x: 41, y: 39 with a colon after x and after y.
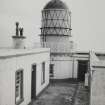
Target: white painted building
x: 23, y: 75
x: 24, y: 72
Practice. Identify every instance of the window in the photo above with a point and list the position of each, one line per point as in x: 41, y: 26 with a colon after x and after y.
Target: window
x: 19, y: 87
x: 51, y: 70
x: 43, y: 73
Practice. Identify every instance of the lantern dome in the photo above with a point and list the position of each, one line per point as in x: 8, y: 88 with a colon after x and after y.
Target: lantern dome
x: 56, y: 4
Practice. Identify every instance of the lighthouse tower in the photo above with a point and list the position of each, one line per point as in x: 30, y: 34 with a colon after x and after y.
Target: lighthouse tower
x: 56, y: 35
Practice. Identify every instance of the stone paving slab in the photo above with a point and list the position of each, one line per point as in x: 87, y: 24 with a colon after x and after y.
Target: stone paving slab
x: 57, y: 94
x: 62, y: 94
x: 82, y: 95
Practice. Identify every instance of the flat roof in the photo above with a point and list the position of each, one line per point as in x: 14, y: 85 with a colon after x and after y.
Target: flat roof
x: 5, y: 53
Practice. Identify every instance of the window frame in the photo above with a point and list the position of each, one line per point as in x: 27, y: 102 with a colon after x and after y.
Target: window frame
x: 21, y: 86
x: 51, y: 69
x: 43, y: 73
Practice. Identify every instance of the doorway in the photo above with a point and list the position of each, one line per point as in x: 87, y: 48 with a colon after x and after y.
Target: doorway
x: 33, y: 82
x: 82, y: 69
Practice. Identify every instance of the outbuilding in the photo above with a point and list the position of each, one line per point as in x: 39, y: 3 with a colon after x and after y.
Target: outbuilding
x: 24, y: 73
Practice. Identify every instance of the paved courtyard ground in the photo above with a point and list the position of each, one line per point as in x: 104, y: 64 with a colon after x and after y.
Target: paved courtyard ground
x: 63, y: 93
x: 82, y: 95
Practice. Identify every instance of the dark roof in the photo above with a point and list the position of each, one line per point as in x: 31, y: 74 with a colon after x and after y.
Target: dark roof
x: 55, y: 4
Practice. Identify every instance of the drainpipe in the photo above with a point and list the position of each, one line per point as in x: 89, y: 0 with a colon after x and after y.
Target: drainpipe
x: 73, y: 67
x: 90, y: 78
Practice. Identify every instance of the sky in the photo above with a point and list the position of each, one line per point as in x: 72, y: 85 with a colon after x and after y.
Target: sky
x: 88, y: 22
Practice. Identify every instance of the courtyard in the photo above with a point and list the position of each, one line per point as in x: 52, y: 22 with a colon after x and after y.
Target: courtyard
x: 63, y: 93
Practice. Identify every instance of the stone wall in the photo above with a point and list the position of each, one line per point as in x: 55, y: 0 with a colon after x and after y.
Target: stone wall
x: 98, y: 87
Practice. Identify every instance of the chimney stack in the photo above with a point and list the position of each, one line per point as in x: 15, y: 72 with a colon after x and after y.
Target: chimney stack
x: 18, y: 39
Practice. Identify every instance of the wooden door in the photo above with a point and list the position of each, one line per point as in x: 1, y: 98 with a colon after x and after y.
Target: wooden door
x: 82, y: 69
x: 33, y: 82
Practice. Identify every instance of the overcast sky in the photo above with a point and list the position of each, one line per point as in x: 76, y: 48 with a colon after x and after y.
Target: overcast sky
x: 88, y: 21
